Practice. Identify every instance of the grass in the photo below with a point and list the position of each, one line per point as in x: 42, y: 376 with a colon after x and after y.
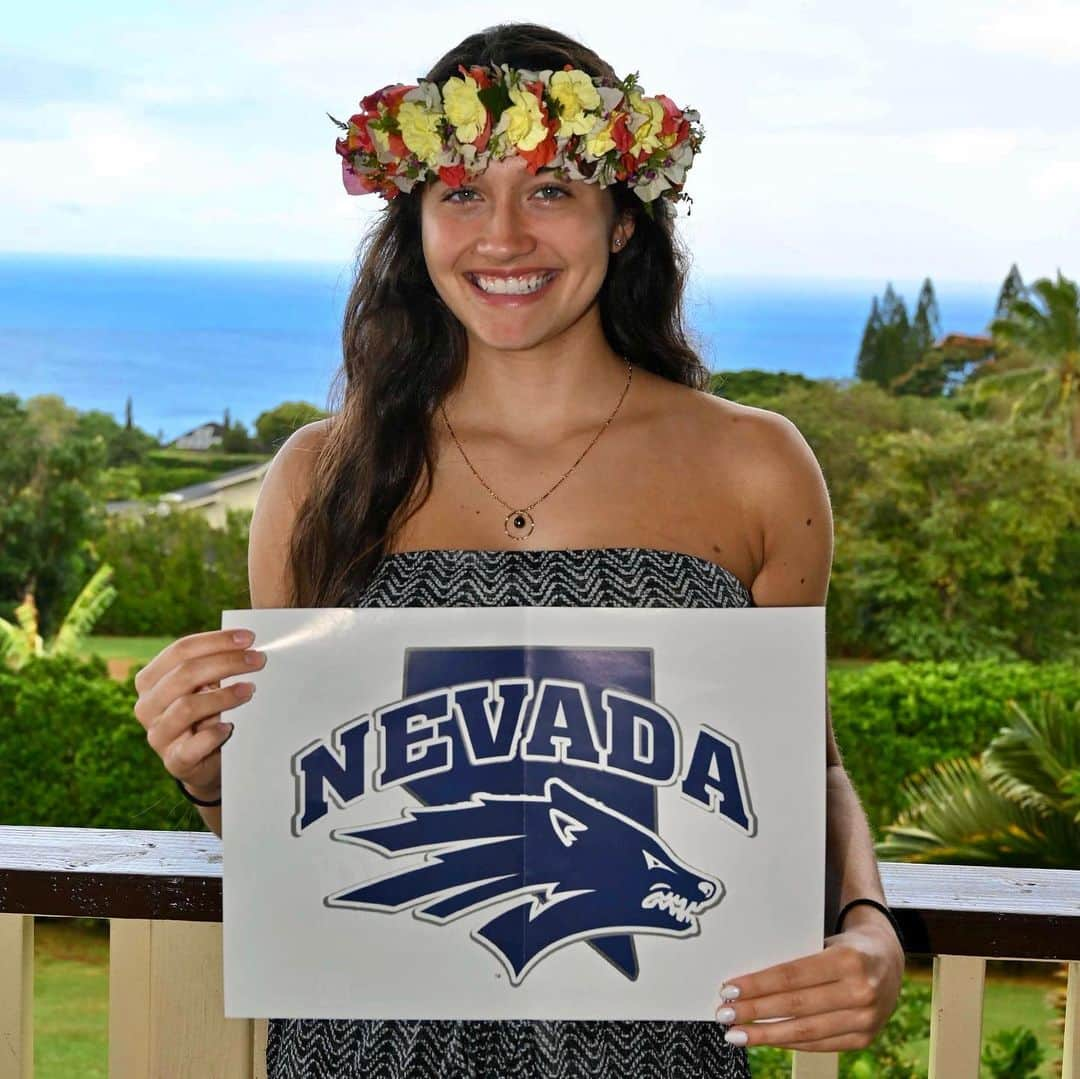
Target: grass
x: 1016, y: 995
x: 71, y: 991
x: 71, y: 999
x: 139, y: 649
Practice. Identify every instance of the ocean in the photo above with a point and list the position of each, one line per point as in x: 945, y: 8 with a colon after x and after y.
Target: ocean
x: 186, y: 339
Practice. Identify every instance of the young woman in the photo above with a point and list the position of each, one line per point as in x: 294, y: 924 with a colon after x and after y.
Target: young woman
x: 524, y: 422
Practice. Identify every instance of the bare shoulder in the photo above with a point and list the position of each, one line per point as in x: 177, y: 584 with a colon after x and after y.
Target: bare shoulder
x: 284, y: 487
x: 771, y: 470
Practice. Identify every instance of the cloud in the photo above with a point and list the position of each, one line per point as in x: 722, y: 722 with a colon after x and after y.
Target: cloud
x: 28, y: 79
x: 840, y: 139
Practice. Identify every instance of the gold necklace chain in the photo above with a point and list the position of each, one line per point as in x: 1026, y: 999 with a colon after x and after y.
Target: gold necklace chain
x: 518, y: 523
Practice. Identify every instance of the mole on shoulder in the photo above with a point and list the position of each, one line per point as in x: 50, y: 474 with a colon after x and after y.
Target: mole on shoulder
x: 802, y: 580
x: 807, y: 520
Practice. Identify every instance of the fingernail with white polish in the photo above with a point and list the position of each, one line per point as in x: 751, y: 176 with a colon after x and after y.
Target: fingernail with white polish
x: 735, y: 1037
x: 726, y: 1015
x: 729, y: 992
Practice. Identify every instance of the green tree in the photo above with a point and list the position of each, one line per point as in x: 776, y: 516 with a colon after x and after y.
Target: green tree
x: 839, y: 420
x: 926, y: 325
x: 274, y: 426
x: 958, y: 545
x: 1017, y: 804
x: 175, y: 573
x: 1037, y: 343
x: 21, y: 641
x: 866, y: 363
x: 50, y: 508
x: 945, y: 367
x: 752, y: 386
x: 1012, y: 289
x: 125, y: 445
x: 891, y: 342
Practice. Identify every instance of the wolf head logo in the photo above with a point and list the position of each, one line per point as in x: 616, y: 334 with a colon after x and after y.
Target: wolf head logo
x: 591, y: 872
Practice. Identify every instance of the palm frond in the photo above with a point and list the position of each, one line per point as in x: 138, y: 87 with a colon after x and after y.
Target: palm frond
x: 87, y: 608
x: 1031, y: 761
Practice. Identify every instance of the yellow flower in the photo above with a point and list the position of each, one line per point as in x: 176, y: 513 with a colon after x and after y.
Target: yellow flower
x: 575, y: 92
x: 523, y: 121
x: 599, y: 142
x: 647, y: 136
x: 464, y: 109
x: 418, y: 130
x: 381, y: 139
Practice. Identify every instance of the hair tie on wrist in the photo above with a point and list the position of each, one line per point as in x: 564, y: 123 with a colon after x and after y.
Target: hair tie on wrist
x: 191, y: 797
x: 877, y: 906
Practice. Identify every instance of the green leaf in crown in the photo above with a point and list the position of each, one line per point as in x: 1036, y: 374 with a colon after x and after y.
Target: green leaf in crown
x: 495, y: 99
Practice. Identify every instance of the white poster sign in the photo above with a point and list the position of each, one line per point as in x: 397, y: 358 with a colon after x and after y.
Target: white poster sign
x: 521, y: 812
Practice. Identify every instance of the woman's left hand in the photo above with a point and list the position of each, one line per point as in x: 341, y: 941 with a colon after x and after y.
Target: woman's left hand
x: 836, y: 999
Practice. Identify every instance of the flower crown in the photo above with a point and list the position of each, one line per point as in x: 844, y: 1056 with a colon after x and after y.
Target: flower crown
x: 596, y: 129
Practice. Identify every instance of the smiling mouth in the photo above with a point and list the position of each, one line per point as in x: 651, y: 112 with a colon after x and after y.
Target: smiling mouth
x: 516, y: 288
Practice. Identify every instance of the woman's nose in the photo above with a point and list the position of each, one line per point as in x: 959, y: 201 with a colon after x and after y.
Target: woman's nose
x: 505, y: 232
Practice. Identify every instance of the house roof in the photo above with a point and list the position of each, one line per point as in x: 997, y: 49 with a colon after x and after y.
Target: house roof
x: 198, y: 492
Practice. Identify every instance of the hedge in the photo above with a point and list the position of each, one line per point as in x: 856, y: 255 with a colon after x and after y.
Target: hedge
x: 73, y: 754
x: 892, y: 719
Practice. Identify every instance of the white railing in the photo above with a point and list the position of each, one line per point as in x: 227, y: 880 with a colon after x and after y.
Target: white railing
x: 161, y: 892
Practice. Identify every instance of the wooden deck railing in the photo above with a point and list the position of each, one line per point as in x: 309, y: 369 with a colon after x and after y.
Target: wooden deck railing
x: 161, y: 892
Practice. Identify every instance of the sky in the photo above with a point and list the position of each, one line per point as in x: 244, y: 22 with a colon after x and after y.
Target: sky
x: 844, y: 140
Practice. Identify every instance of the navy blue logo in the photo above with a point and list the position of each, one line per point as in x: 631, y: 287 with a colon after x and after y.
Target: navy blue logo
x: 590, y: 872
x: 535, y: 772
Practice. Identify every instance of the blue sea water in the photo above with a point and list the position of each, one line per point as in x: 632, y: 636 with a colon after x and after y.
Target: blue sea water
x: 186, y: 339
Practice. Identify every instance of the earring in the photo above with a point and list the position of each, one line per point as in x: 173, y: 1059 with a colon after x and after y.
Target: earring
x: 618, y: 243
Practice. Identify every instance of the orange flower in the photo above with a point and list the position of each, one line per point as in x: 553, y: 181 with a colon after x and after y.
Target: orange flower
x: 452, y: 175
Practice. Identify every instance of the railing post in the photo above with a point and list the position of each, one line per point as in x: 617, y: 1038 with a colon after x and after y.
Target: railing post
x: 1070, y: 1068
x: 129, y: 997
x: 167, y: 996
x: 17, y: 995
x: 956, y: 1008
x: 815, y: 1065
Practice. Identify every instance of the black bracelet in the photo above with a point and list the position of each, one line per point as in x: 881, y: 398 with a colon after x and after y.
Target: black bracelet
x: 877, y: 906
x: 191, y: 797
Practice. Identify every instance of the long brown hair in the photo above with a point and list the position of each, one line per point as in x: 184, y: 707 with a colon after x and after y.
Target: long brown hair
x: 404, y: 350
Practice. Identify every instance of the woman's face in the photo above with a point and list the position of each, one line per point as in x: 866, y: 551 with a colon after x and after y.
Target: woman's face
x: 510, y: 230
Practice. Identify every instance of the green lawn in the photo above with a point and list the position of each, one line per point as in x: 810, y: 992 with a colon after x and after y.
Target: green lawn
x: 1010, y: 1000
x: 140, y: 649
x: 71, y: 1000
x: 71, y: 990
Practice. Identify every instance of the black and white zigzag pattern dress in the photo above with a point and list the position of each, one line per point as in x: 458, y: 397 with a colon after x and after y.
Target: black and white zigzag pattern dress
x: 521, y: 1049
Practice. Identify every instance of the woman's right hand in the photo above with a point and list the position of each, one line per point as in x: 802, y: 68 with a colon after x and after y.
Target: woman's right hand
x: 181, y: 701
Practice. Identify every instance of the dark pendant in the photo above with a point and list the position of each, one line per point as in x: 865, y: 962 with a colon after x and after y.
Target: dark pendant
x: 518, y: 524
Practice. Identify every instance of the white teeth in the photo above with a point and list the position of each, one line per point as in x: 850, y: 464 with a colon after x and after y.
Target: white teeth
x: 676, y: 905
x: 515, y: 286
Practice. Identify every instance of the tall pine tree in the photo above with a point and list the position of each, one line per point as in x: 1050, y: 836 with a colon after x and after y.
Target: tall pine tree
x: 892, y: 343
x: 1012, y: 288
x: 926, y: 326
x: 864, y: 365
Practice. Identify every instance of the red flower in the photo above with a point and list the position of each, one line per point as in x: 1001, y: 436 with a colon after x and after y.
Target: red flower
x: 481, y: 140
x: 359, y: 138
x: 621, y: 135
x: 538, y: 157
x: 389, y: 96
x: 357, y: 183
x: 543, y: 152
x: 672, y: 115
x: 452, y: 175
x: 479, y: 74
